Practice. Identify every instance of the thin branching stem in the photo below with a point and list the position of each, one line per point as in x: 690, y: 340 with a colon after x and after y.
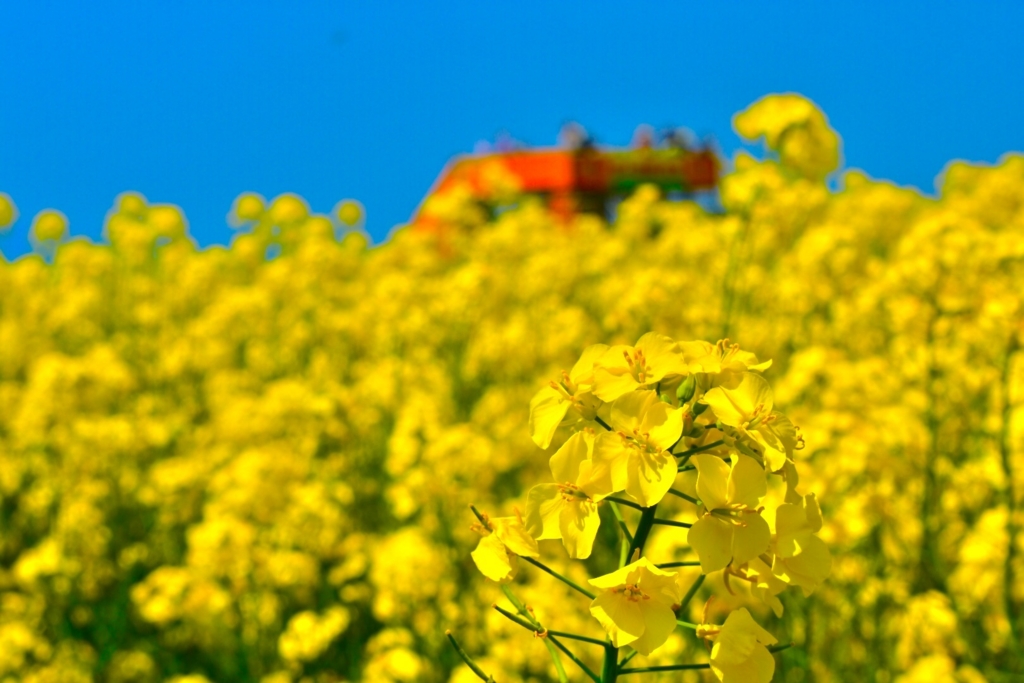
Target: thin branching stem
x: 574, y: 636
x: 468, y: 660
x: 569, y: 582
x: 626, y: 660
x: 536, y: 628
x: 622, y: 522
x: 541, y: 631
x: 522, y: 609
x: 672, y: 522
x: 669, y: 667
x: 699, y: 449
x: 643, y: 530
x: 576, y: 660
x: 680, y: 494
x: 690, y: 593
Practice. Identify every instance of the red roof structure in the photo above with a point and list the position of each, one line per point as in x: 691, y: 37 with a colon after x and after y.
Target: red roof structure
x: 580, y: 180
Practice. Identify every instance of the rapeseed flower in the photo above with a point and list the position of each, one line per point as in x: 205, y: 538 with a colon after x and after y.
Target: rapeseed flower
x: 635, y: 605
x: 644, y: 429
x: 730, y: 528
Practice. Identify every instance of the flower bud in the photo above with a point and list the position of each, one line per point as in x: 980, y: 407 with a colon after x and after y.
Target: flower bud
x: 687, y: 389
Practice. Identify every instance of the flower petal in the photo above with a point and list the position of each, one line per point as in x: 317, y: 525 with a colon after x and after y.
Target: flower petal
x: 579, y: 522
x: 650, y: 476
x: 759, y: 667
x: 751, y: 539
x: 810, y: 566
x: 659, y: 623
x: 547, y: 410
x: 663, y: 425
x: 610, y: 466
x: 620, y: 577
x: 711, y: 539
x: 620, y: 617
x: 565, y: 463
x: 748, y: 483
x: 627, y: 412
x: 543, y: 504
x: 583, y: 371
x: 712, y: 481
x: 515, y: 536
x: 661, y: 356
x: 492, y: 559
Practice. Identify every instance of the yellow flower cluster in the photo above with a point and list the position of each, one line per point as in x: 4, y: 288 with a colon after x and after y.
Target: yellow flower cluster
x: 629, y: 419
x: 254, y: 463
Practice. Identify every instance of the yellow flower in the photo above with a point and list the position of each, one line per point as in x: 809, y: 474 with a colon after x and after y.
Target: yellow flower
x: 350, y: 212
x: 746, y: 404
x: 646, y: 428
x: 794, y: 127
x: 740, y: 653
x: 8, y: 211
x: 801, y: 558
x: 496, y: 554
x: 730, y: 528
x: 288, y: 208
x: 721, y: 358
x: 49, y: 225
x: 248, y: 206
x: 622, y: 369
x: 764, y: 584
x: 550, y: 407
x: 568, y: 509
x: 635, y: 605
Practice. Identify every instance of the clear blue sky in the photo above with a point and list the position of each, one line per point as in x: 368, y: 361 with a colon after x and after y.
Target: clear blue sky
x: 193, y: 102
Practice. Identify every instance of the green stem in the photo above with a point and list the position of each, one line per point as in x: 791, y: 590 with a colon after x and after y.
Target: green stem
x: 623, y: 501
x: 643, y: 530
x: 576, y: 660
x: 518, y: 604
x: 622, y: 522
x: 685, y: 468
x: 468, y: 660
x: 671, y: 522
x: 518, y: 620
x: 690, y: 593
x: 682, y: 495
x: 604, y: 424
x: 700, y: 449
x: 540, y: 630
x: 686, y: 624
x: 521, y: 608
x: 610, y: 670
x: 573, y: 636
x: 559, y: 669
x: 670, y: 667
x: 670, y: 565
x: 478, y: 515
x: 626, y: 660
x: 780, y: 647
x: 572, y: 584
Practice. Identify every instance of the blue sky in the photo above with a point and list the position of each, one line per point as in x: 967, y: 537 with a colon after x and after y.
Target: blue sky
x: 195, y: 102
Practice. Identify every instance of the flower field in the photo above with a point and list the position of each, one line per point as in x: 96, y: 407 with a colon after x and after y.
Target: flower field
x: 256, y: 463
